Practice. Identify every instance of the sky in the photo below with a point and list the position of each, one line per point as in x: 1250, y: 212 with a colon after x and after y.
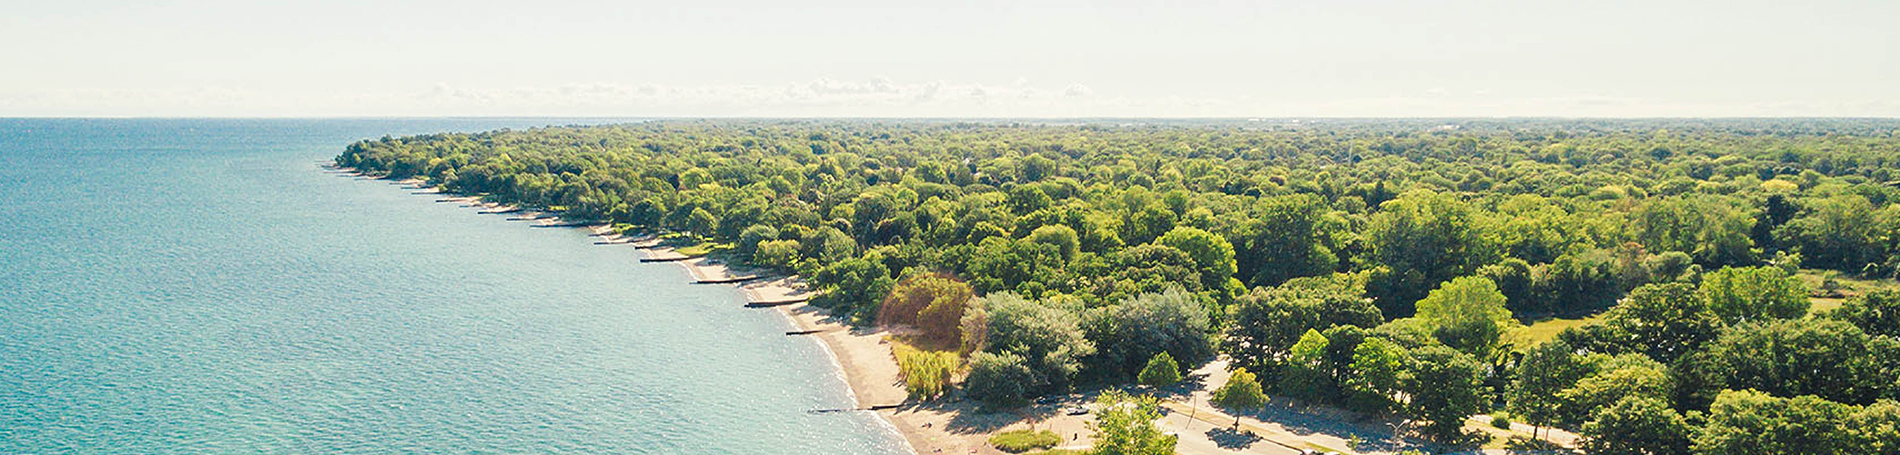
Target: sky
x: 950, y: 58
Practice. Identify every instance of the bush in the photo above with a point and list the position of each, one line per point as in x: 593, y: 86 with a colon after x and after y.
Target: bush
x: 1501, y: 421
x: 776, y: 253
x: 999, y: 380
x: 1161, y: 371
x: 1020, y: 441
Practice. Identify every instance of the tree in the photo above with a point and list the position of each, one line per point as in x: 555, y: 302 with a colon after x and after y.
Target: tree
x: 854, y: 287
x: 1161, y: 371
x: 1545, y: 372
x: 1747, y: 422
x: 933, y: 302
x: 1636, y: 426
x: 999, y: 380
x: 1047, y: 337
x: 1213, y: 256
x: 1875, y: 429
x: 1417, y: 241
x: 1286, y: 239
x: 702, y: 223
x: 1303, y: 377
x: 1839, y: 233
x: 1665, y: 321
x: 1468, y: 314
x: 1240, y: 393
x: 1378, y: 366
x: 776, y: 253
x: 1445, y: 387
x: 1613, y: 378
x: 1830, y: 359
x: 1154, y: 268
x: 827, y: 245
x: 1128, y: 334
x: 1877, y: 312
x: 750, y: 239
x: 1059, y: 236
x: 1742, y: 294
x: 1125, y: 425
x: 1268, y: 321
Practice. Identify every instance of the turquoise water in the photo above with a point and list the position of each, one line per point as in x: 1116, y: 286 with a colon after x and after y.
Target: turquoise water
x: 192, y: 286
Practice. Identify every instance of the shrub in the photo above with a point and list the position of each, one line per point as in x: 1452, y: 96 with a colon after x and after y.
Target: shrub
x: 926, y: 373
x: 1161, y: 371
x: 1020, y: 441
x: 1501, y: 421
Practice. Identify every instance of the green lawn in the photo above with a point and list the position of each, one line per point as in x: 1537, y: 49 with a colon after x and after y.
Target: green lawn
x: 1020, y: 441
x: 1544, y: 330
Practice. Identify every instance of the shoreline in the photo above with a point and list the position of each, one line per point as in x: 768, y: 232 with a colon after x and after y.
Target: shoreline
x: 861, y: 356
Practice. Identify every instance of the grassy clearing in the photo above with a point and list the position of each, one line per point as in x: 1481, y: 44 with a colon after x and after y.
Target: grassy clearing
x: 1546, y: 329
x: 1848, y: 285
x: 1020, y: 441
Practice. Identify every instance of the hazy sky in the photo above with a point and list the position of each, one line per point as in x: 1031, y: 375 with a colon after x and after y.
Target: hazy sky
x: 951, y: 58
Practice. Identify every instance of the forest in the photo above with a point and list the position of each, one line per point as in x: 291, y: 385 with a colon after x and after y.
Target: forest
x: 1395, y: 268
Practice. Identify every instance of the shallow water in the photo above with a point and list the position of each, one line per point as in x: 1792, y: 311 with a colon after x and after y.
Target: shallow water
x: 197, y: 286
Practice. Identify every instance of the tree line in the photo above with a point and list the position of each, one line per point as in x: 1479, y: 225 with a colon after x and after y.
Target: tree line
x: 1370, y: 264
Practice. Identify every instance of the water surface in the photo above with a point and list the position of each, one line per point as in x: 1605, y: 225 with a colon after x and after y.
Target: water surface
x: 173, y: 286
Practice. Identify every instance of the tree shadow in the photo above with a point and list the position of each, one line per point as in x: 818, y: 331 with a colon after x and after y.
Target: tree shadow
x: 1526, y: 445
x: 1228, y: 438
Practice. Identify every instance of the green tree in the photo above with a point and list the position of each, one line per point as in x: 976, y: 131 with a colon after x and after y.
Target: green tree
x: 1241, y: 393
x: 1378, y: 366
x: 1417, y: 241
x: 1636, y: 426
x: 1468, y: 314
x: 1161, y: 371
x: 1125, y: 425
x: 750, y: 239
x: 1875, y: 429
x: 1286, y: 239
x: 1212, y: 255
x: 1830, y: 359
x: 1877, y: 312
x: 1446, y: 387
x: 1128, y: 334
x: 1266, y: 323
x: 1545, y: 372
x: 1059, y: 236
x: 1047, y: 336
x: 776, y: 253
x: 1747, y: 422
x: 853, y: 287
x: 702, y: 223
x: 1665, y: 321
x: 827, y: 245
x: 1304, y: 377
x: 999, y: 380
x: 1742, y: 294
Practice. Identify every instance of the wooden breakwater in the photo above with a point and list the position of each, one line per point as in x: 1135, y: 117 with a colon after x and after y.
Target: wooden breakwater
x: 775, y: 303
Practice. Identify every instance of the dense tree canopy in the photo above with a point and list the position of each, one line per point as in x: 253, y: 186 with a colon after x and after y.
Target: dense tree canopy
x: 1375, y: 264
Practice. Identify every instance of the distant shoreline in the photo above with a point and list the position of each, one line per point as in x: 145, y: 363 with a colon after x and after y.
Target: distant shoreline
x: 862, y: 358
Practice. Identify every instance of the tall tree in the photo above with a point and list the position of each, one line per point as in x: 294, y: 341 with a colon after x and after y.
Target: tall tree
x: 1126, y: 426
x: 1636, y: 426
x: 1419, y: 240
x: 1468, y: 314
x: 1241, y: 393
x: 1742, y: 294
x: 1445, y: 387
